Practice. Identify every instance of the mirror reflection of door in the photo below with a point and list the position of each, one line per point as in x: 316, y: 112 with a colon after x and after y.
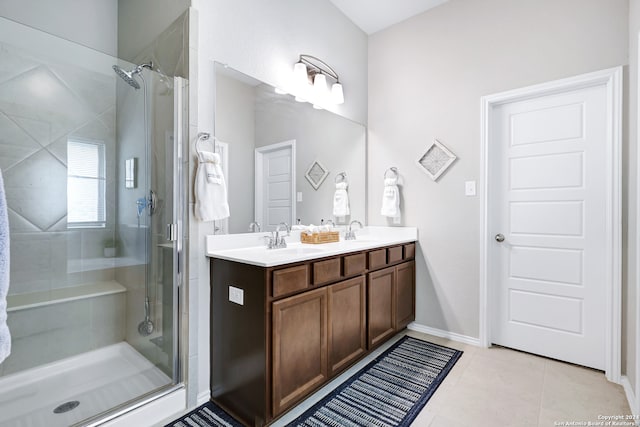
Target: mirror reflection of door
x: 275, y: 184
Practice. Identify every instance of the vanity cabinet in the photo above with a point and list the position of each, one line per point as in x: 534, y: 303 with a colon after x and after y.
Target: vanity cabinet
x: 299, y: 336
x: 299, y: 325
x: 347, y: 323
x: 381, y: 305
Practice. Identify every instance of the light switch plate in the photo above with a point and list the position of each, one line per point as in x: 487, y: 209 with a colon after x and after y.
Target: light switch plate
x: 299, y: 196
x: 470, y: 188
x: 236, y: 295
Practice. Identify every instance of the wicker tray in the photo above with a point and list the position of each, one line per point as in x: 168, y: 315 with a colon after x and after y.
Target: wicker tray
x: 322, y: 237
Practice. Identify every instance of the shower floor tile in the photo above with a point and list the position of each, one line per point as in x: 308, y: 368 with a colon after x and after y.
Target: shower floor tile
x: 98, y: 380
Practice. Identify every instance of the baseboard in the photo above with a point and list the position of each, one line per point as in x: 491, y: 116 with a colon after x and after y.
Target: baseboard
x: 631, y: 397
x: 444, y: 334
x: 203, y: 397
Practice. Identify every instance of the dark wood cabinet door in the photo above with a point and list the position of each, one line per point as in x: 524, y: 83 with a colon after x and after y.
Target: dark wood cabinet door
x: 347, y: 323
x: 299, y: 334
x: 405, y: 294
x: 381, y: 305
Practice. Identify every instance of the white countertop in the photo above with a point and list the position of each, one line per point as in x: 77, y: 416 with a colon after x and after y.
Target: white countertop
x: 250, y: 248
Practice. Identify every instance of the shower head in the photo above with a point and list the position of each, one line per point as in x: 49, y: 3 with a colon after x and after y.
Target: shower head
x: 127, y: 76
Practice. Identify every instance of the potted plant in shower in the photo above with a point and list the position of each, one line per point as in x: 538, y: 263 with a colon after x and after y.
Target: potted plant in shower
x: 110, y: 246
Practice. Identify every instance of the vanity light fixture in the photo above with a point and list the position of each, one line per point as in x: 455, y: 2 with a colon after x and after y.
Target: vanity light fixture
x: 310, y: 75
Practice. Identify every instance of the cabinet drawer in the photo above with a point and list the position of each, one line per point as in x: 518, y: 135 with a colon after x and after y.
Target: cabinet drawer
x: 410, y: 251
x: 394, y: 254
x: 326, y: 271
x: 354, y: 264
x: 377, y: 259
x: 290, y: 279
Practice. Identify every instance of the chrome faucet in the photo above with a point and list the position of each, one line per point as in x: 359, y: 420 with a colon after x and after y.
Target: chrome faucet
x: 351, y: 234
x: 275, y: 240
x: 254, y: 227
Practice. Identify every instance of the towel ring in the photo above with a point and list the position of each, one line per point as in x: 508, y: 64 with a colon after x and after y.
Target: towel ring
x: 393, y: 170
x: 204, y: 136
x: 341, y: 177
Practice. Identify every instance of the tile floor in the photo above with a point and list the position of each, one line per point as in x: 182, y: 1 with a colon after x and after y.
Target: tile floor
x: 499, y: 387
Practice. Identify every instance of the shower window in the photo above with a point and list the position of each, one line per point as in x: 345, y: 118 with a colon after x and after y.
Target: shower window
x: 86, y: 184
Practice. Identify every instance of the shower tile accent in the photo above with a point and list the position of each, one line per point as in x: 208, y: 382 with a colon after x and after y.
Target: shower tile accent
x: 12, y: 63
x: 42, y: 105
x: 33, y: 189
x: 15, y: 144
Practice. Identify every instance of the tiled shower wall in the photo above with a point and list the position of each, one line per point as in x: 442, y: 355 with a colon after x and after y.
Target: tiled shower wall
x: 43, y: 103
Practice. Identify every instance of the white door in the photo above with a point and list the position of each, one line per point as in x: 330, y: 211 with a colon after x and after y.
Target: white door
x: 548, y: 200
x: 275, y: 184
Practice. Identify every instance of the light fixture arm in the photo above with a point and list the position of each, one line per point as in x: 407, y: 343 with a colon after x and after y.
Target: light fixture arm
x: 317, y: 65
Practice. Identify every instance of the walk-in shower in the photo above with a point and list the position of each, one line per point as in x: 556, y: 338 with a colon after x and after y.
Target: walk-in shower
x: 93, y: 297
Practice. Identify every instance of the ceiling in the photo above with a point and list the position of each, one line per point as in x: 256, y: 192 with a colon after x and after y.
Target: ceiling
x: 374, y: 15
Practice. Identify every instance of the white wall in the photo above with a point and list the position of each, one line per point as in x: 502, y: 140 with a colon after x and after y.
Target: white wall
x: 426, y: 77
x: 261, y: 39
x: 92, y: 23
x: 264, y: 40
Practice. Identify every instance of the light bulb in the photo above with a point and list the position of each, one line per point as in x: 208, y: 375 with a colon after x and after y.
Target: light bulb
x: 337, y: 96
x: 300, y: 74
x: 320, y: 86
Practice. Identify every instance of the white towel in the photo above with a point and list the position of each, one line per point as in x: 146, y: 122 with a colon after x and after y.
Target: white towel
x: 5, y: 336
x: 211, y: 188
x: 390, y: 198
x: 341, y: 200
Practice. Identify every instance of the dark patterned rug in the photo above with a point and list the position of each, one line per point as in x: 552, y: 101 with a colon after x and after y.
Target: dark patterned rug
x: 207, y: 415
x: 389, y: 391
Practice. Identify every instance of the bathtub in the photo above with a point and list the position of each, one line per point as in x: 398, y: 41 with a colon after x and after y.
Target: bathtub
x: 79, y: 387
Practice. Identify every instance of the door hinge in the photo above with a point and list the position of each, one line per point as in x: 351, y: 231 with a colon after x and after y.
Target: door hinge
x: 172, y: 232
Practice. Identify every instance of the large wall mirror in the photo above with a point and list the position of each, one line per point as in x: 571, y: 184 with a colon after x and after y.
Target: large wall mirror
x: 276, y: 151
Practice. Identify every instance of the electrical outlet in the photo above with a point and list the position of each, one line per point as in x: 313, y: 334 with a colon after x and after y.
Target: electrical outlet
x: 236, y: 295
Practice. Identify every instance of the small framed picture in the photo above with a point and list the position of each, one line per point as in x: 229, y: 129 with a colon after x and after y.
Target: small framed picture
x: 316, y: 174
x: 435, y: 160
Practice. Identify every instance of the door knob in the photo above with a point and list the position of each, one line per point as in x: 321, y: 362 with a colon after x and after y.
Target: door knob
x: 499, y: 237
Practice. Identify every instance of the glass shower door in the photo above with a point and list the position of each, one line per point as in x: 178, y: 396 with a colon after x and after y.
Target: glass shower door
x: 92, y: 304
